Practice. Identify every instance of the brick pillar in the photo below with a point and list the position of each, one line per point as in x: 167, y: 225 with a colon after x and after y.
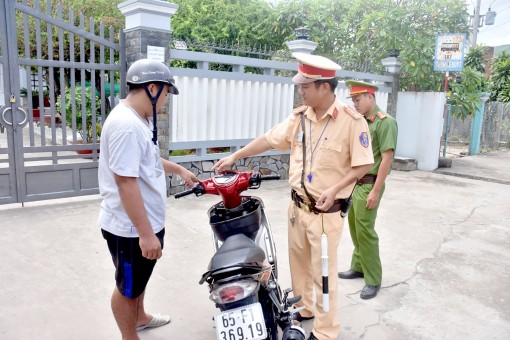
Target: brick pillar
x: 148, y: 35
x: 392, y: 65
x: 393, y: 96
x: 304, y: 46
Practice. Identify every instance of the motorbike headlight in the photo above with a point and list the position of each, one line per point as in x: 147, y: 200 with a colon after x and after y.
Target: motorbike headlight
x: 233, y: 291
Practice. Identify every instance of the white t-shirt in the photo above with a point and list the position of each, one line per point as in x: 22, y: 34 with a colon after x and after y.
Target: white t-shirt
x: 127, y: 150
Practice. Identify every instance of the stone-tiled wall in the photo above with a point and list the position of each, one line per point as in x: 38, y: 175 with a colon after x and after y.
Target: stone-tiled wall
x: 138, y: 40
x: 266, y: 165
x: 136, y: 45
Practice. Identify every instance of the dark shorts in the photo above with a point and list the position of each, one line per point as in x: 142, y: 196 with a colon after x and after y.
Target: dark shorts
x: 132, y: 270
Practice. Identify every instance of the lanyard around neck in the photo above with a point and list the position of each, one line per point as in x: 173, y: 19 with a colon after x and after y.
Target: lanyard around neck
x: 312, y: 148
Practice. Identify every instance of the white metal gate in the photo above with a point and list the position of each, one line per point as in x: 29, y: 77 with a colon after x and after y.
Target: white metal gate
x: 73, y: 70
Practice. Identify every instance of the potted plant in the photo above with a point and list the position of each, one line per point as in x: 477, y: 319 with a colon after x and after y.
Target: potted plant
x: 86, y: 133
x: 35, y: 101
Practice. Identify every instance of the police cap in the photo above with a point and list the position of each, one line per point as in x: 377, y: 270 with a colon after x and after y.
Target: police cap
x: 359, y: 87
x: 313, y: 67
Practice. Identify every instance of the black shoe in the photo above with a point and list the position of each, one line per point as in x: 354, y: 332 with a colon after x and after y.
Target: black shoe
x: 369, y: 291
x: 312, y: 337
x: 350, y: 274
x: 298, y: 317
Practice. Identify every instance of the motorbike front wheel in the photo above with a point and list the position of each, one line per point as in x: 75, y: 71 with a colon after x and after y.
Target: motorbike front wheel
x: 269, y: 315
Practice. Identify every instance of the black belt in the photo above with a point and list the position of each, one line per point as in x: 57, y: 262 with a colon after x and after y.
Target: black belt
x: 308, y: 207
x: 367, y: 179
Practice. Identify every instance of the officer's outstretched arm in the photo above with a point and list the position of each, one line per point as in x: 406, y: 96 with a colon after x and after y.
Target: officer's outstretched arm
x: 256, y: 146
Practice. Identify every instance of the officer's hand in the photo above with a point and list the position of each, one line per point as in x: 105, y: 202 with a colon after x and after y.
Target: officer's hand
x: 326, y: 200
x: 150, y: 246
x: 189, y: 178
x: 223, y: 163
x: 373, y: 199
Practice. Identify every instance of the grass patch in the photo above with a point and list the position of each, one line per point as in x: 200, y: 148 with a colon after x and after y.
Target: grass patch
x: 218, y: 150
x: 185, y: 152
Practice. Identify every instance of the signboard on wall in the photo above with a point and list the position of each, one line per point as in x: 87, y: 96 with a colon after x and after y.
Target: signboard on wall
x: 449, y: 54
x: 156, y: 53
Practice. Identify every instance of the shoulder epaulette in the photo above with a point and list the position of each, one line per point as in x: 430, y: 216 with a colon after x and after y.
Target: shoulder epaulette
x: 381, y: 115
x: 350, y: 110
x: 299, y: 110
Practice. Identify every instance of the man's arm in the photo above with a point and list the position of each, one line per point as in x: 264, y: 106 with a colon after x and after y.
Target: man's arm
x: 382, y: 173
x: 327, y: 198
x: 173, y: 168
x: 387, y: 134
x: 255, y: 147
x: 132, y: 202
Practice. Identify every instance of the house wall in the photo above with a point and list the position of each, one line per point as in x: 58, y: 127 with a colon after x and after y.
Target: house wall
x: 420, y: 126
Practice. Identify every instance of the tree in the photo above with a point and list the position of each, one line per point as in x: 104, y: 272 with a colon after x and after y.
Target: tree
x: 356, y: 33
x: 464, y: 93
x: 475, y: 58
x: 234, y: 22
x: 39, y: 39
x: 223, y: 27
x: 104, y: 11
x: 359, y: 34
x: 500, y: 78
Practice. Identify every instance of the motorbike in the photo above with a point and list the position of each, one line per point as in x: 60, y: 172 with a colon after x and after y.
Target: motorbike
x: 242, y: 275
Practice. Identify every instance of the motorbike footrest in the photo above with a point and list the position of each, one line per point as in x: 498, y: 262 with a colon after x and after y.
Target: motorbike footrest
x: 293, y: 300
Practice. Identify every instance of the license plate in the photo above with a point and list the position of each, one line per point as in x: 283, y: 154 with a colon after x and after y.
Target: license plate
x: 243, y: 323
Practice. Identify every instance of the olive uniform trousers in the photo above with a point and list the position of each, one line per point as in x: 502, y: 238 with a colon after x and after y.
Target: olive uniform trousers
x: 365, y: 257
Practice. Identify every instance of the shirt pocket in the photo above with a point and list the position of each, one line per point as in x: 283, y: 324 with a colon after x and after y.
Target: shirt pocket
x: 330, y: 155
x: 297, y: 155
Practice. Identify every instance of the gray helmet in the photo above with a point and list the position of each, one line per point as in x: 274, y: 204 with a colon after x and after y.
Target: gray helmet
x: 145, y: 71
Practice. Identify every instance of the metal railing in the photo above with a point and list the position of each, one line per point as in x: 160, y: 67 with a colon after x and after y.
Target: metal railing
x: 207, y: 150
x: 495, y: 131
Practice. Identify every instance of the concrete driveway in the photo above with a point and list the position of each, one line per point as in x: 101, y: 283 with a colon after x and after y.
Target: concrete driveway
x: 444, y: 247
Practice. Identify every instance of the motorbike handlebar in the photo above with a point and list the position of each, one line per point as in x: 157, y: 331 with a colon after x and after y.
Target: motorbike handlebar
x: 270, y: 177
x: 245, y: 180
x: 197, y: 190
x: 184, y: 193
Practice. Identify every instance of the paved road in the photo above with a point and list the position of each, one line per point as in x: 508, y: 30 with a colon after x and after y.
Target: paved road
x: 444, y: 247
x: 491, y: 166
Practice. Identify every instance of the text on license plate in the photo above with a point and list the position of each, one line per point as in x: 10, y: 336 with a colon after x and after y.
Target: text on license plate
x: 243, y: 323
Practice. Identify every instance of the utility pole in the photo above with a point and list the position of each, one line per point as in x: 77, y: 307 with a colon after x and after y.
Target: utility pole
x: 480, y: 20
x: 476, y: 23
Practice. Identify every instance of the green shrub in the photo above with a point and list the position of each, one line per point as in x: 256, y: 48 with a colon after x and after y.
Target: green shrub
x: 185, y: 152
x: 79, y: 103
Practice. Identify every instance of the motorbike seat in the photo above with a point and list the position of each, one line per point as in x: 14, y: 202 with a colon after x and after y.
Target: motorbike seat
x: 237, y: 249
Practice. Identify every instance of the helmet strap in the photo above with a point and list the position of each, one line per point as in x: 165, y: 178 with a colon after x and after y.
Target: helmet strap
x: 154, y: 100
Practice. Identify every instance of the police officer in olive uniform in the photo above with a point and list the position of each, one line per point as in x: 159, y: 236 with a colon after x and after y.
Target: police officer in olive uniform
x: 367, y: 195
x: 329, y: 151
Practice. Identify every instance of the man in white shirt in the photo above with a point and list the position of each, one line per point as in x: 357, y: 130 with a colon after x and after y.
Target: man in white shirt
x: 133, y: 187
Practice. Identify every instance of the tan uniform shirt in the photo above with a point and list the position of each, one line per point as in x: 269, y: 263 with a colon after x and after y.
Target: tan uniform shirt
x: 340, y: 140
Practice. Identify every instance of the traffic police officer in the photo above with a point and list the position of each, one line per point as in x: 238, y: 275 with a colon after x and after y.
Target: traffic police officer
x: 367, y: 195
x: 337, y: 152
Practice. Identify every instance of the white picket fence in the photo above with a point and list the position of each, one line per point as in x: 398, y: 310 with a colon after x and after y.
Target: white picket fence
x: 216, y: 106
x: 218, y: 109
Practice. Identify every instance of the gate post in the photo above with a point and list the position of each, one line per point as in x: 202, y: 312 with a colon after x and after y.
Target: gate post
x: 392, y: 65
x: 148, y: 35
x: 476, y: 126
x: 303, y: 45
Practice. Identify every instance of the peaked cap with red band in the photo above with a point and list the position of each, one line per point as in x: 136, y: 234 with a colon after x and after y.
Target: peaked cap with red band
x: 358, y: 87
x: 313, y: 67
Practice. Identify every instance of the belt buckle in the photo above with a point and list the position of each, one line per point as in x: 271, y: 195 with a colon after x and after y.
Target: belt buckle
x: 306, y: 207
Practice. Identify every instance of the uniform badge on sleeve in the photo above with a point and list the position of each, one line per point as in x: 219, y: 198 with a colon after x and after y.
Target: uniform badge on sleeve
x: 363, y: 139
